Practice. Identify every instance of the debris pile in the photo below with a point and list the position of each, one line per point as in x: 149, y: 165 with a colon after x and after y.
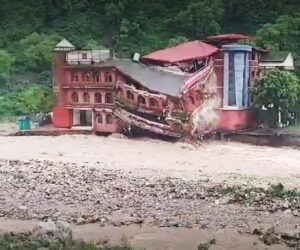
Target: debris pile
x: 80, y: 194
x: 275, y: 236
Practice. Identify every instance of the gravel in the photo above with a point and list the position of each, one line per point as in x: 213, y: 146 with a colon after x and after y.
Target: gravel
x: 80, y: 194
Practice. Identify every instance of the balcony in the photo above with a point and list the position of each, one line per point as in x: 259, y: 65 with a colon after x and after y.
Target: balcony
x: 87, y: 57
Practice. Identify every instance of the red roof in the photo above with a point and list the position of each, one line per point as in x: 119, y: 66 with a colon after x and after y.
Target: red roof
x: 231, y: 36
x: 183, y: 52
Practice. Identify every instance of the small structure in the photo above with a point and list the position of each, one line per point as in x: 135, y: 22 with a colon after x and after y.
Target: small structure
x: 64, y: 45
x: 185, y: 90
x: 278, y: 59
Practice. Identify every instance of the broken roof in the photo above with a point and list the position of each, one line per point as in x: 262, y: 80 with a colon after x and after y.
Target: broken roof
x: 183, y: 52
x: 152, y: 78
x: 276, y: 56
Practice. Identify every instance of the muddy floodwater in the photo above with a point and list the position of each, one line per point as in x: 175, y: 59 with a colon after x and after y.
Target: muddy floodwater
x: 150, y: 193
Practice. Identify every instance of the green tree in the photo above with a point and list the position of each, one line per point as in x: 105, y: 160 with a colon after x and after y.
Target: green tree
x: 199, y: 19
x: 177, y: 40
x: 93, y: 44
x: 36, y: 51
x: 279, y: 91
x: 241, y: 15
x: 36, y: 99
x: 284, y: 34
x: 6, y: 63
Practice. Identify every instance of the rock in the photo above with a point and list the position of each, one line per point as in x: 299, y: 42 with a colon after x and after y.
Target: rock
x: 118, y: 136
x: 46, y: 228
x: 80, y: 221
x: 117, y: 223
x: 296, y: 213
x: 257, y: 231
x: 172, y: 224
x: 271, y: 237
x: 23, y: 208
x: 55, y: 235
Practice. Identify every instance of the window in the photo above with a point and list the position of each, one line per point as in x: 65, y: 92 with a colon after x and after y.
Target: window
x: 236, y: 78
x: 129, y: 95
x: 119, y: 92
x: 87, y: 77
x: 141, y: 100
x: 108, y: 77
x: 86, y: 97
x: 98, y: 98
x: 177, y: 126
x: 74, y: 97
x: 100, y: 119
x: 98, y: 78
x: 84, y: 56
x: 153, y: 102
x: 109, y: 98
x: 109, y: 119
x: 75, y: 78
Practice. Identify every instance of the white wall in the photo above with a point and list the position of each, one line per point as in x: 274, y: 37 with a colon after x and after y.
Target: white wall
x: 96, y: 56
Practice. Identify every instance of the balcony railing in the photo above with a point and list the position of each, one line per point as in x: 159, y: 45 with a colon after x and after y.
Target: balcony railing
x: 87, y: 56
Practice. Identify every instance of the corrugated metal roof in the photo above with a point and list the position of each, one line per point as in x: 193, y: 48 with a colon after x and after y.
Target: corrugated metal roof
x: 276, y: 56
x: 150, y: 77
x: 183, y: 52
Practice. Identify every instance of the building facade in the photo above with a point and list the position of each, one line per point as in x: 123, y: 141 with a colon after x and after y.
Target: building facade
x: 193, y: 88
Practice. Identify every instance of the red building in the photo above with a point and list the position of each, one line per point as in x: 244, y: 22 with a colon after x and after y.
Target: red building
x: 191, y: 88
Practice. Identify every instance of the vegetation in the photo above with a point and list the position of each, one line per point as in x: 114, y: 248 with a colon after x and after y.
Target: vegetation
x: 24, y: 242
x: 29, y: 99
x: 29, y: 29
x: 279, y: 91
x: 249, y: 193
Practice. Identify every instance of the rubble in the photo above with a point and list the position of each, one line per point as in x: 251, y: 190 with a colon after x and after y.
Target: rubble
x: 82, y: 194
x: 274, y: 235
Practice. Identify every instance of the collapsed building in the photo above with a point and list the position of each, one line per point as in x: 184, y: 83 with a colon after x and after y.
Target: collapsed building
x: 189, y: 89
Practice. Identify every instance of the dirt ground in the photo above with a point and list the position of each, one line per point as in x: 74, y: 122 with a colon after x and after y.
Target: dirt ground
x: 153, y: 183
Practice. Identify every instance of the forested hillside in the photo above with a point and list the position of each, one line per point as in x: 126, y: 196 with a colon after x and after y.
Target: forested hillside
x: 29, y: 29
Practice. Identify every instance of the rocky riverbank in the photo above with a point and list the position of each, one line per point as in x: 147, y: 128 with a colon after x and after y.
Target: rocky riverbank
x: 80, y: 194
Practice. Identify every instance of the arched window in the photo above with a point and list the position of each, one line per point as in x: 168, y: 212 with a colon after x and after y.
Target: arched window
x: 141, y: 99
x: 109, y: 119
x: 98, y: 98
x: 130, y: 95
x: 75, y: 78
x: 119, y: 92
x: 177, y: 126
x: 74, y: 97
x: 87, y: 77
x: 108, y: 77
x: 98, y: 78
x: 100, y: 119
x: 109, y: 98
x: 153, y: 102
x: 86, y: 97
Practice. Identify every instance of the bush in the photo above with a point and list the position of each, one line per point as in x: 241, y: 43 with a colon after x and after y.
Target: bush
x: 279, y: 90
x: 28, y: 99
